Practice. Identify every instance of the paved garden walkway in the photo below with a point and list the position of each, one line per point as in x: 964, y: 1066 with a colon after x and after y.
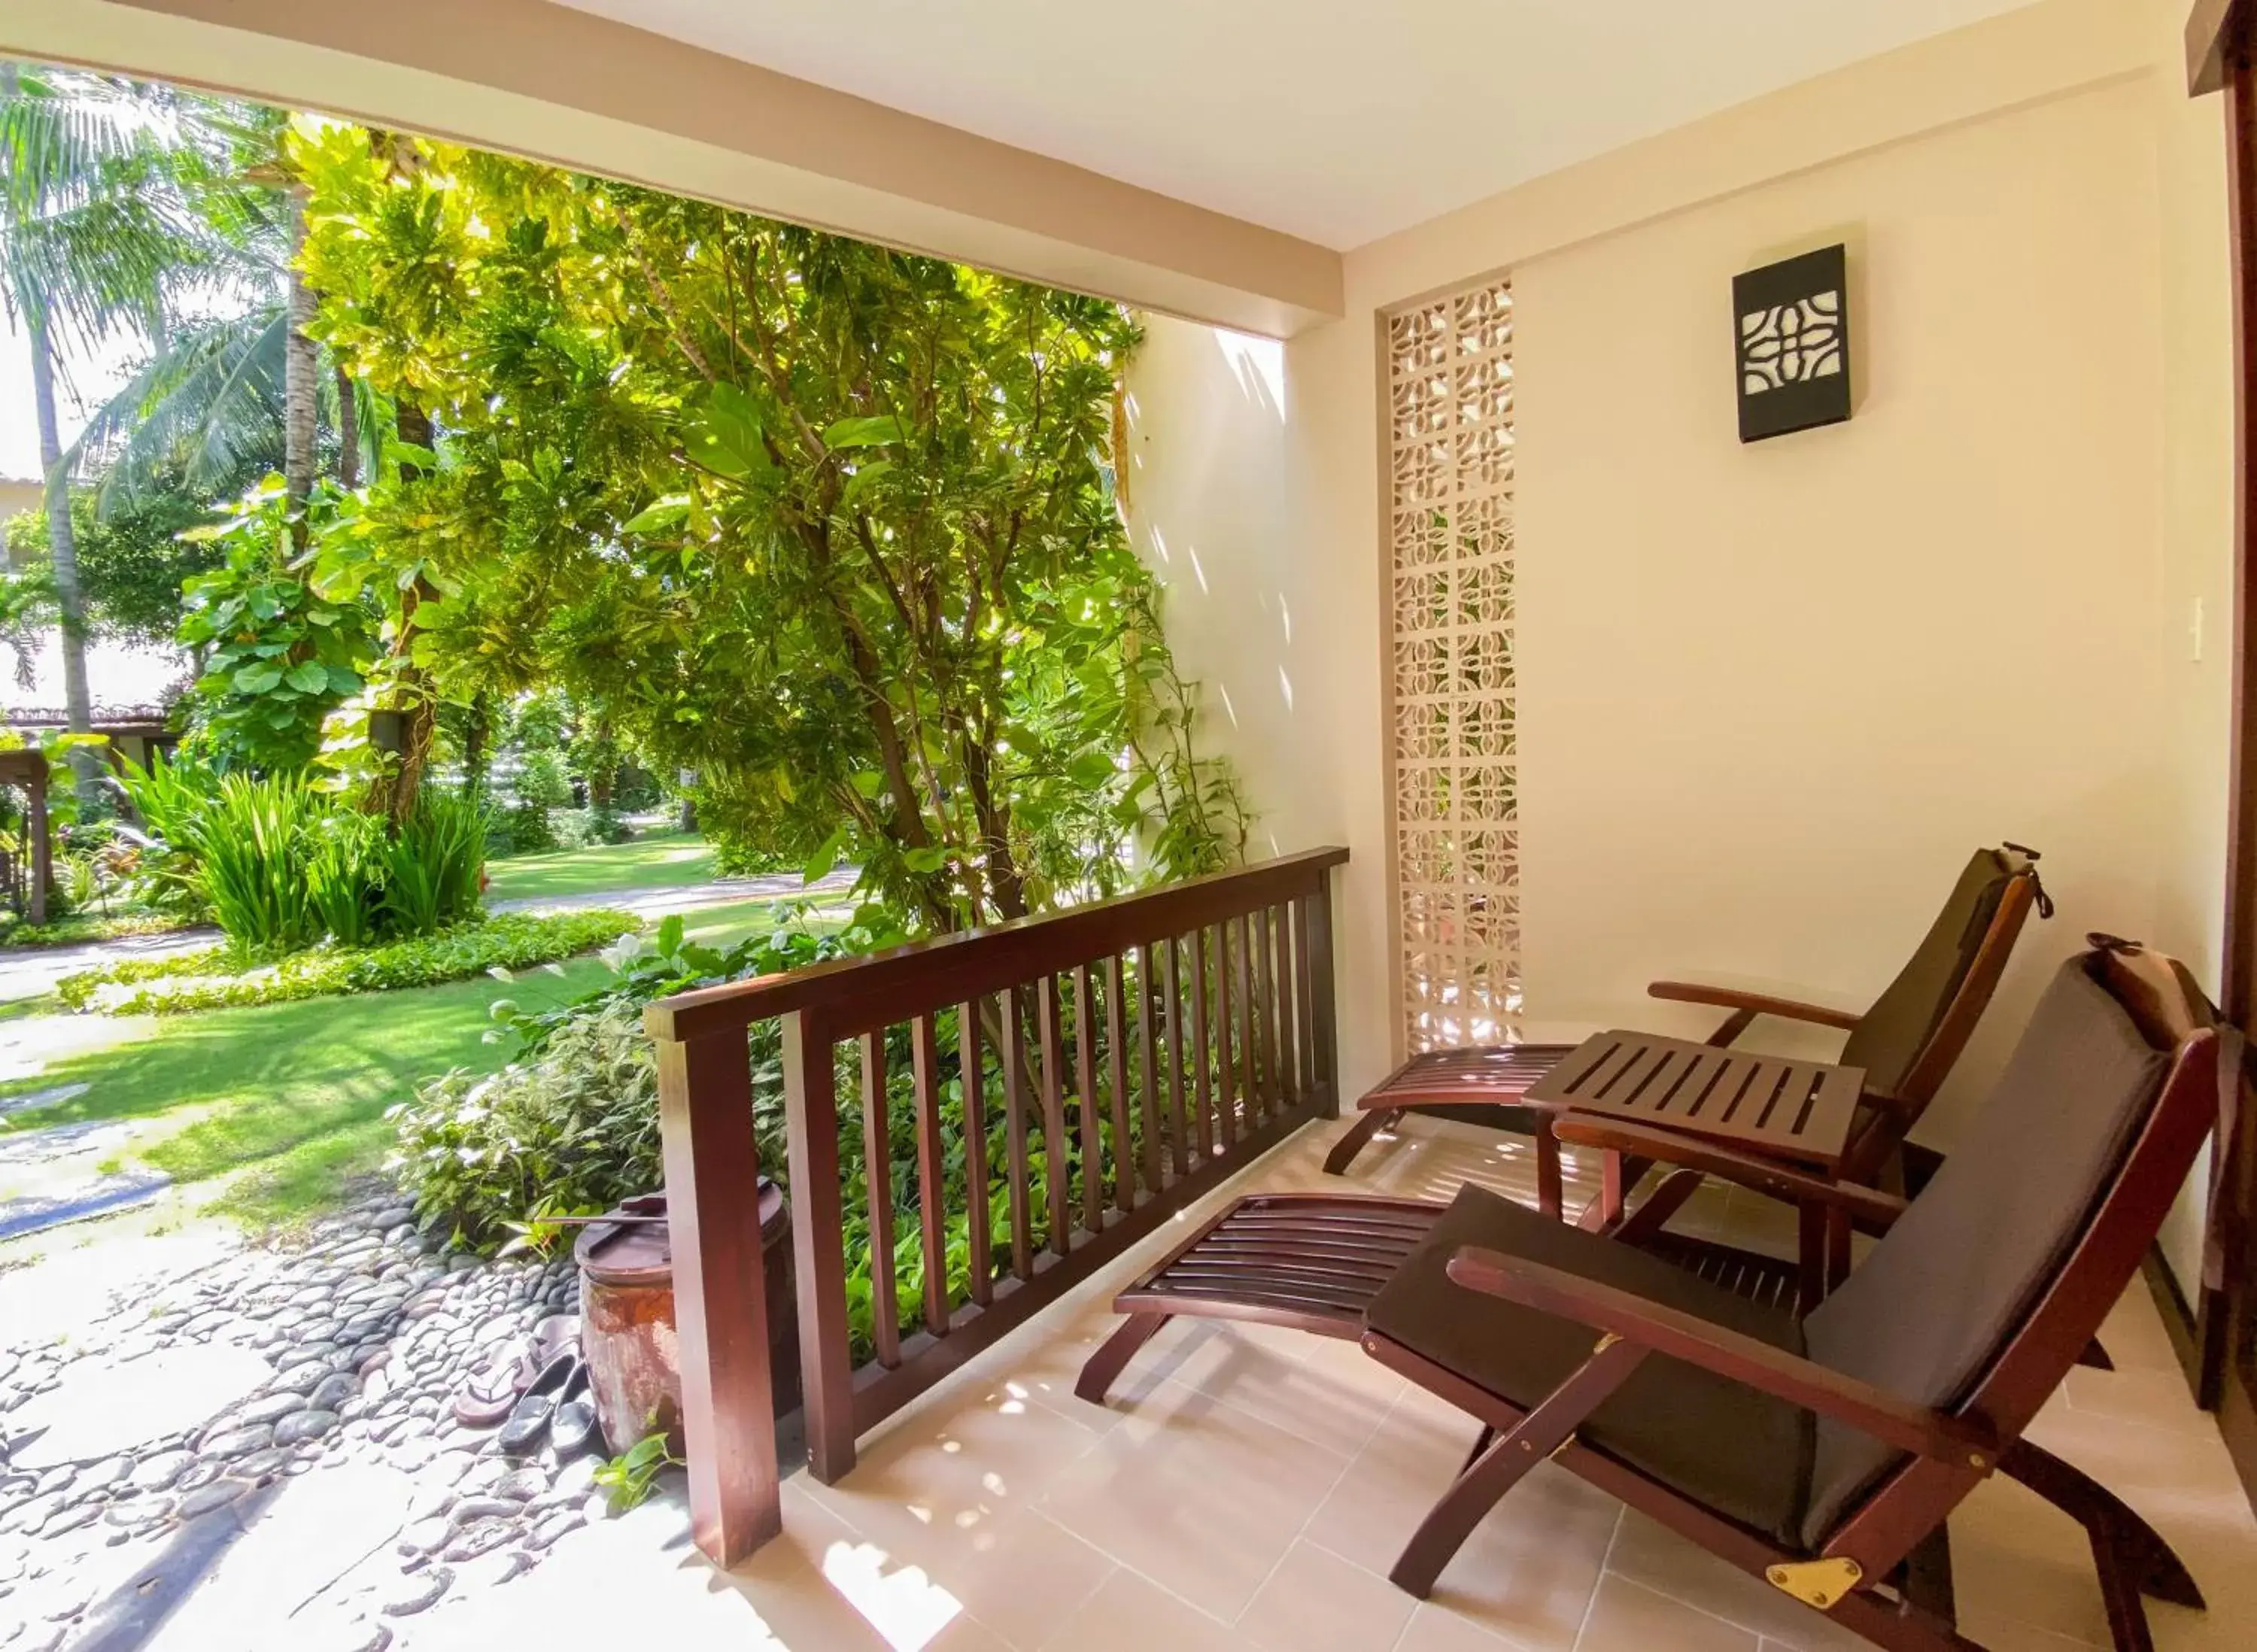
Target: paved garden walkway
x: 208, y: 1443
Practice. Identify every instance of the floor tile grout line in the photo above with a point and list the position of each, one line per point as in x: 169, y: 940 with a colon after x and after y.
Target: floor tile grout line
x: 1621, y: 1513
x: 1322, y: 1499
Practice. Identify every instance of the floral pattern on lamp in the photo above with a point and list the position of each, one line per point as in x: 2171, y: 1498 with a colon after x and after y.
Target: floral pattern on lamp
x: 1792, y: 344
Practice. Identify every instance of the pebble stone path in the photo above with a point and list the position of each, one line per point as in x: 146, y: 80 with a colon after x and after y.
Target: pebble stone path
x: 342, y: 1357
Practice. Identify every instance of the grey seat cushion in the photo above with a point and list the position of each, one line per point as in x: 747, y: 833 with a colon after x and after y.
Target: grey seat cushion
x: 1889, y: 1037
x: 1892, y: 1034
x: 1933, y: 1305
x: 1740, y: 1452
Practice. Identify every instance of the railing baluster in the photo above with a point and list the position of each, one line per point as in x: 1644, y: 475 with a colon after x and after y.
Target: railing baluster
x: 1227, y: 1077
x: 1054, y: 1156
x: 878, y: 1178
x: 818, y: 1224
x: 1304, y: 1014
x: 1201, y: 1094
x: 1296, y: 1032
x: 1152, y: 1160
x: 973, y: 1072
x: 1173, y: 1001
x: 1116, y: 1061
x: 1089, y: 1133
x: 1017, y: 1104
x: 1279, y: 955
x: 932, y: 1173
x: 1318, y: 907
x: 713, y: 1165
x: 1265, y: 1007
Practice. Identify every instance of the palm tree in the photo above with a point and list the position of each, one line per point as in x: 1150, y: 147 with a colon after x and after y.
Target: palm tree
x: 98, y: 233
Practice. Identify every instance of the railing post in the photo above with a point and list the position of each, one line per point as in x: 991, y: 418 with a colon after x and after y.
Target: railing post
x: 720, y: 1306
x: 1318, y: 908
x: 810, y: 1100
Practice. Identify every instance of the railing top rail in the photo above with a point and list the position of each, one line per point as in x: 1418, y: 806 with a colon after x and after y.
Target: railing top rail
x: 882, y: 988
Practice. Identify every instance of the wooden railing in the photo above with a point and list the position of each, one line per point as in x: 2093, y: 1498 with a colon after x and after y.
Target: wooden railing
x: 1063, y: 1085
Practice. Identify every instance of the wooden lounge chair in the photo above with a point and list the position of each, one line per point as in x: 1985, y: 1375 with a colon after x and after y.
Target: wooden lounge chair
x: 1906, y: 1042
x: 1824, y: 1453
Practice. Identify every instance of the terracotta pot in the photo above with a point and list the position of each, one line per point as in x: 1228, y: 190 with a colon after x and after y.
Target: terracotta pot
x: 626, y: 1317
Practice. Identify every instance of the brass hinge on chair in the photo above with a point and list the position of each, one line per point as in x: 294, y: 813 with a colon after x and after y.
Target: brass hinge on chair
x: 1815, y: 1583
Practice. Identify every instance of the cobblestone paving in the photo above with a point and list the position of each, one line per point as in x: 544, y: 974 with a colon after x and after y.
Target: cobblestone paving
x: 261, y: 1453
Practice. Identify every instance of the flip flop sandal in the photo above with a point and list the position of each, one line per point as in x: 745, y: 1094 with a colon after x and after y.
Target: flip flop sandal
x: 489, y: 1394
x: 529, y: 1423
x: 573, y: 1429
x: 559, y: 1333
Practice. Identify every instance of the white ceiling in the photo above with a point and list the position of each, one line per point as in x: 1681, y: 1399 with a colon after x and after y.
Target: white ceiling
x: 1339, y: 121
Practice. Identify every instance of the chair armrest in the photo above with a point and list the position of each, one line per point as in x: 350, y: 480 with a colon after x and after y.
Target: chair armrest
x: 1667, y: 1330
x: 1870, y: 1207
x: 1726, y: 998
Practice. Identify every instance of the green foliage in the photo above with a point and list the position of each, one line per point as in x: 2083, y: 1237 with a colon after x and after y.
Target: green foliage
x: 78, y: 928
x: 131, y: 562
x: 541, y: 780
x: 219, y: 977
x: 629, y: 1478
x: 523, y: 829
x: 278, y: 658
x: 434, y: 866
x: 281, y: 864
x: 587, y: 828
x: 567, y: 1133
x: 830, y: 525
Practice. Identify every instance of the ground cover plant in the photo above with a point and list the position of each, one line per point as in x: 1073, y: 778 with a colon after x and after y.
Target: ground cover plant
x: 285, y: 1101
x: 212, y: 977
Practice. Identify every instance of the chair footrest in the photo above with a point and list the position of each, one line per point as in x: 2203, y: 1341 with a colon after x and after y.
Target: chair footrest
x: 1485, y: 1073
x: 1310, y: 1261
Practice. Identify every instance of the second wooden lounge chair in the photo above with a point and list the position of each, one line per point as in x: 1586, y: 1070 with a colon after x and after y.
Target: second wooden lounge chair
x: 1906, y: 1041
x: 1825, y: 1453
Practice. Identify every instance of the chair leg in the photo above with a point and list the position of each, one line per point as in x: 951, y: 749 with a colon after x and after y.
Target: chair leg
x: 1498, y: 1466
x: 2122, y: 1542
x: 1113, y: 1355
x: 1482, y: 1441
x: 1354, y: 1138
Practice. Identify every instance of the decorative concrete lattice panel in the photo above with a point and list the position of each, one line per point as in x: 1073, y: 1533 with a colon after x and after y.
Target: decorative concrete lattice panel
x: 1456, y: 775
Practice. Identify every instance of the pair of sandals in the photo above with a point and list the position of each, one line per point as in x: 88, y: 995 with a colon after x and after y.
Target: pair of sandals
x: 537, y: 1392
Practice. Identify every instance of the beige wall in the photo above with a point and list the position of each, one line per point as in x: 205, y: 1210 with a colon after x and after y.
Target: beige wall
x: 1771, y: 696
x: 1208, y: 513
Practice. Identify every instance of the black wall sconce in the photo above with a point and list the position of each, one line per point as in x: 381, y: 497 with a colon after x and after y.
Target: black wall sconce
x: 387, y: 731
x: 1791, y: 328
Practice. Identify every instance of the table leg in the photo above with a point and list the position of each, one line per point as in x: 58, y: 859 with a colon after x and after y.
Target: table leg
x: 1548, y: 1195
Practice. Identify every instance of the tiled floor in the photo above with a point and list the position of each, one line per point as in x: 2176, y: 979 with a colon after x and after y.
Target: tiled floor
x: 1250, y: 1489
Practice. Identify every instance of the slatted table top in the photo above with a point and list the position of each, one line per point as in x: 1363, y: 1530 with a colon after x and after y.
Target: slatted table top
x: 1794, y: 1110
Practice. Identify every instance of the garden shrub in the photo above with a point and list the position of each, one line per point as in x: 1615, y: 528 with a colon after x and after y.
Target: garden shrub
x: 522, y: 829
x: 571, y: 1127
x: 281, y: 864
x: 585, y: 827
x: 215, y: 977
x: 568, y: 1133
x: 542, y: 778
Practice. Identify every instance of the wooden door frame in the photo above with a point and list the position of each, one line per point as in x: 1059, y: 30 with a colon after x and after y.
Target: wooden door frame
x: 2220, y: 35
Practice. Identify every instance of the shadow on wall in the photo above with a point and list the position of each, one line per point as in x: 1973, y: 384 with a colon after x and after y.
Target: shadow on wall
x: 1206, y: 511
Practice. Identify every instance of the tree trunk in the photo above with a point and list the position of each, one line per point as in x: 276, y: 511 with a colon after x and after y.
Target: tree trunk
x: 394, y: 794
x: 348, y: 431
x: 301, y: 375
x: 62, y: 550
x: 477, y: 750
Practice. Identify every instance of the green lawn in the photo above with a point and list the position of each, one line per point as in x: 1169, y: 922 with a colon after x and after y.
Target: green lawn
x: 668, y: 861
x: 295, y: 1093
